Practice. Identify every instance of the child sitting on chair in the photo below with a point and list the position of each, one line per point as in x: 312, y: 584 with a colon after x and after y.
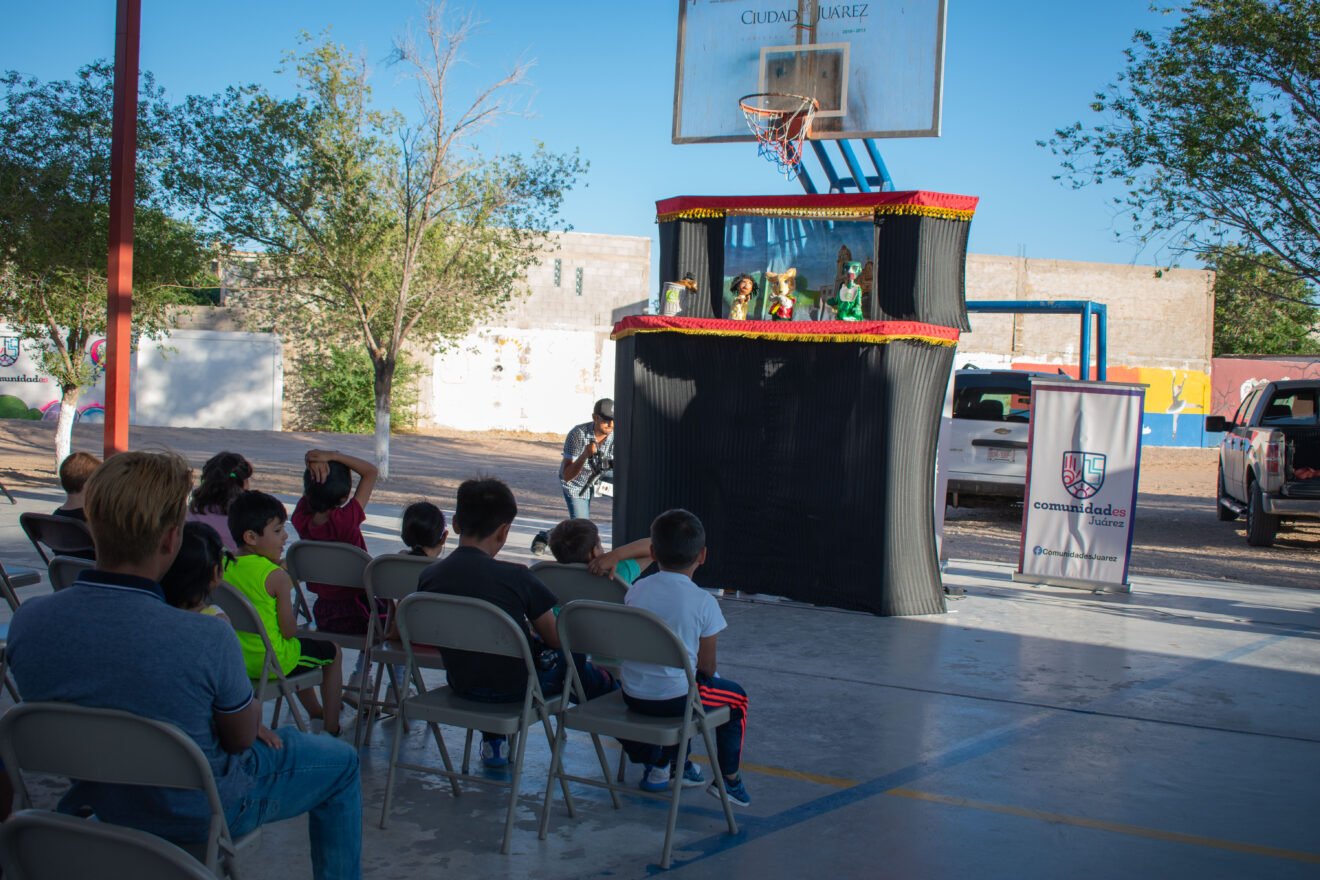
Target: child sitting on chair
x: 678, y: 543
x: 75, y: 471
x: 578, y: 541
x: 256, y: 521
x: 424, y: 532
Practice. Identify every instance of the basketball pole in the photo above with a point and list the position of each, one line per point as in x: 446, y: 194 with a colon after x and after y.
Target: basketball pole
x: 119, y: 270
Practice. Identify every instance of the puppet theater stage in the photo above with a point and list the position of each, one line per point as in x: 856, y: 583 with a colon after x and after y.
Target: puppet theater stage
x: 807, y: 447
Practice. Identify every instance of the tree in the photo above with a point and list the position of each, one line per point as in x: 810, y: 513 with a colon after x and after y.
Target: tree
x: 1213, y: 128
x: 54, y: 224
x: 373, y: 226
x: 1261, y: 308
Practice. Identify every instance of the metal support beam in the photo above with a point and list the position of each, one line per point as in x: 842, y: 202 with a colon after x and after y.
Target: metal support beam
x: 1087, y: 309
x: 119, y: 270
x: 850, y: 159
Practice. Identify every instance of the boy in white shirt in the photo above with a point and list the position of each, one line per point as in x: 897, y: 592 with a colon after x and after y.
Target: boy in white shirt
x: 678, y: 545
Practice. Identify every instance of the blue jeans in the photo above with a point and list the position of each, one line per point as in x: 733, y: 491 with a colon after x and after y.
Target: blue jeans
x: 317, y: 775
x: 579, y: 506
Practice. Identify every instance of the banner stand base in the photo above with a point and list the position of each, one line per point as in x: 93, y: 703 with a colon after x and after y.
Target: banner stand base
x: 1071, y: 583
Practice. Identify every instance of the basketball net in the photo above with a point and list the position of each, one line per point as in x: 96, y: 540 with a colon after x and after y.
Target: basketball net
x: 781, y: 124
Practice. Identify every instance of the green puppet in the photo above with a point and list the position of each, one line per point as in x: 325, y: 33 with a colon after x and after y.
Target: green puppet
x: 848, y: 303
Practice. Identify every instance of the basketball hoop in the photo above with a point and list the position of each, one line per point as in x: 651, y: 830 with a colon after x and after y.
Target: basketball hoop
x: 781, y: 123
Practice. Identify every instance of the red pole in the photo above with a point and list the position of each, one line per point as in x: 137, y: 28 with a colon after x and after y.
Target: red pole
x: 119, y: 275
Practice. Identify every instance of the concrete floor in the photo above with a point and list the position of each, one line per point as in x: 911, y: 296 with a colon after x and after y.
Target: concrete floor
x: 1030, y: 732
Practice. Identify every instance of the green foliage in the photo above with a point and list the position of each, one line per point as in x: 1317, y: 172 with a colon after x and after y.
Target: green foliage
x: 1261, y: 309
x: 340, y: 381
x: 1213, y: 128
x: 370, y: 224
x: 55, y: 212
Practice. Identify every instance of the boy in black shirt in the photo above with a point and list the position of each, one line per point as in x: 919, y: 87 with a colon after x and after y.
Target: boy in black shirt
x: 483, y: 516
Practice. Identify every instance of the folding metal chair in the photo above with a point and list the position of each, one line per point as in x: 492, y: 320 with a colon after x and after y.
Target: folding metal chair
x: 244, y: 618
x: 41, y: 845
x: 339, y: 565
x: 58, y: 738
x: 64, y: 570
x: 11, y: 578
x: 467, y: 624
x: 573, y: 581
x: 637, y: 635
x: 61, y: 535
x: 392, y: 578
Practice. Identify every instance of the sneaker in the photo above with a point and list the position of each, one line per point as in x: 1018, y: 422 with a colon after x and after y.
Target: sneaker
x: 495, y: 753
x: 737, y: 791
x: 540, y: 543
x: 692, y: 775
x: 655, y: 779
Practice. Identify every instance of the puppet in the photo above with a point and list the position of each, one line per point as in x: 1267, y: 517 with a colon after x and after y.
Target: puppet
x: 781, y: 287
x: 848, y: 302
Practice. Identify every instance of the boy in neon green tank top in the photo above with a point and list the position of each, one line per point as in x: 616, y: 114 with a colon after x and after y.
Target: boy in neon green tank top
x: 257, y: 523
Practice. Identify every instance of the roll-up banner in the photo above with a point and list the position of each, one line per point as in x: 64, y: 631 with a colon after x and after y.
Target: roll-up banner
x: 1083, y: 458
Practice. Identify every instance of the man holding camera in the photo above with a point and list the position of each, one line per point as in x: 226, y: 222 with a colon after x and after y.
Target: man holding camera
x: 588, y: 456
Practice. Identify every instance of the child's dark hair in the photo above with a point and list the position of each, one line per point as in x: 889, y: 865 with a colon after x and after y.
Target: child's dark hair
x: 677, y: 538
x: 330, y: 494
x: 483, y: 505
x: 76, y: 470
x: 423, y: 526
x: 188, y: 582
x: 573, y: 540
x: 222, y: 481
x: 251, y: 511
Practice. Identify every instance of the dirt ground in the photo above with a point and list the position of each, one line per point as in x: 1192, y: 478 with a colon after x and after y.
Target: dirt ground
x: 1176, y: 533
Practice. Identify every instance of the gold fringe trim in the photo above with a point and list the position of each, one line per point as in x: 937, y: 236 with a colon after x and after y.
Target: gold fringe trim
x: 856, y: 213
x: 789, y: 337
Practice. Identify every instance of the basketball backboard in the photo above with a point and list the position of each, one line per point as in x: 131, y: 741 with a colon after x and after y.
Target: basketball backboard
x: 875, y: 68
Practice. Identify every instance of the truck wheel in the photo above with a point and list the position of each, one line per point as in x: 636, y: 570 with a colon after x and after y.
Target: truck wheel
x: 1261, y: 526
x: 1222, y: 510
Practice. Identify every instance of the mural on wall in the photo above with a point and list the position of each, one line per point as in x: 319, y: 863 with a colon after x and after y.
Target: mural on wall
x: 1235, y: 377
x: 1176, y: 400
x: 25, y: 393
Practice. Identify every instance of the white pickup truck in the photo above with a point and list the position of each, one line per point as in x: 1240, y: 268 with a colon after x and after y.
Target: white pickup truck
x: 1269, y: 459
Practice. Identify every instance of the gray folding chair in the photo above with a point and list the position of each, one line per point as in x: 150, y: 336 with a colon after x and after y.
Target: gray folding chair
x: 61, y: 535
x: 244, y: 618
x: 11, y: 578
x: 637, y: 635
x: 41, y: 845
x: 64, y: 570
x: 468, y: 624
x: 339, y: 565
x: 56, y: 738
x: 392, y: 578
x: 572, y: 581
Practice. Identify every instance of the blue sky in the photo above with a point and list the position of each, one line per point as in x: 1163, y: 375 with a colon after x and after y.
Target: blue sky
x: 603, y: 78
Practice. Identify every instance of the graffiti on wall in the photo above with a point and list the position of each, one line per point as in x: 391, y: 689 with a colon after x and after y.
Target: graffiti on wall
x: 26, y: 393
x: 1235, y: 377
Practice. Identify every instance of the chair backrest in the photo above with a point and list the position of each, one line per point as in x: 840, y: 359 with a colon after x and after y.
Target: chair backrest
x: 129, y: 749
x: 40, y: 845
x: 244, y: 618
x: 13, y: 577
x: 394, y: 576
x: 62, y: 535
x: 327, y: 562
x: 461, y: 623
x: 621, y: 632
x: 64, y: 570
x: 572, y: 581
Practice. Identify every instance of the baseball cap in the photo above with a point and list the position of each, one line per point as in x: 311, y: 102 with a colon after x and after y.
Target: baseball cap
x: 604, y: 408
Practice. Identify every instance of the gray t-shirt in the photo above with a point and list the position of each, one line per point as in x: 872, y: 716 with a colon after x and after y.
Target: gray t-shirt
x: 110, y: 641
x: 574, y: 443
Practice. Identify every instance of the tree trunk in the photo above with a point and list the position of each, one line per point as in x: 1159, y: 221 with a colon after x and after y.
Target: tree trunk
x: 384, y: 386
x: 64, y: 427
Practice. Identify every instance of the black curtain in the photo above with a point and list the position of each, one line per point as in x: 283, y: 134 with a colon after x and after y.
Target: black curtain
x: 695, y: 246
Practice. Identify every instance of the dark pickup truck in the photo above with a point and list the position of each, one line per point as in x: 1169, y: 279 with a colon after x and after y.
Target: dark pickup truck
x: 1269, y: 459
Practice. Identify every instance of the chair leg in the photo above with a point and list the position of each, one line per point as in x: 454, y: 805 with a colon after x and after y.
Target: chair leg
x: 623, y: 765
x: 556, y: 767
x: 444, y: 753
x: 675, y: 788
x: 467, y: 752
x: 563, y: 783
x: 715, y: 768
x: 605, y: 768
x: 389, y: 775
x: 513, y: 787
